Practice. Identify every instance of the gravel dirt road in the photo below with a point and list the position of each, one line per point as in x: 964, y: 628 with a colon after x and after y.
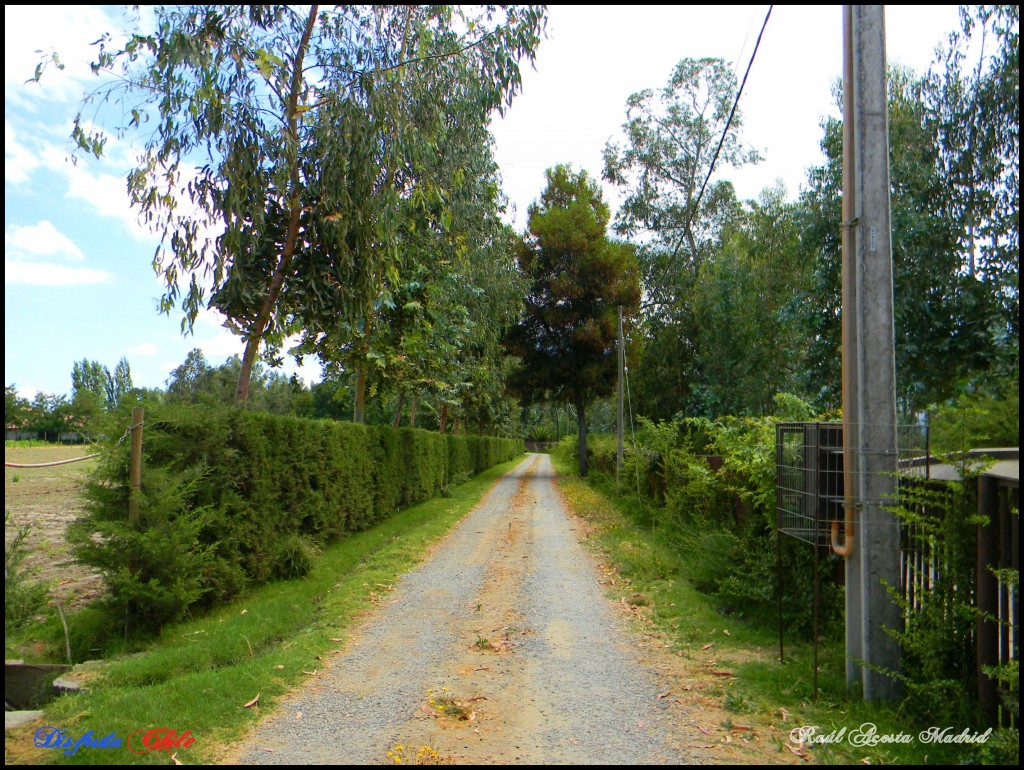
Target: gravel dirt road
x: 506, y: 628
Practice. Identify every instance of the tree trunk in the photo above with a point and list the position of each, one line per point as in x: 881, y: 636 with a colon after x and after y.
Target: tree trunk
x: 443, y: 417
x: 259, y: 326
x: 412, y: 412
x: 581, y: 420
x: 359, y: 409
x: 398, y: 412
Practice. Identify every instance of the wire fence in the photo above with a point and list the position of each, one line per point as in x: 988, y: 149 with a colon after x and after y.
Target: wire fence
x: 53, y: 463
x: 938, y: 535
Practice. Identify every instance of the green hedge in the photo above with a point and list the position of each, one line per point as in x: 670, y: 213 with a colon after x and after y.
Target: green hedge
x: 255, y: 496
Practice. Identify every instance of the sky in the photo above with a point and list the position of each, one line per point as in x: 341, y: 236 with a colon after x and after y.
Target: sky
x: 78, y: 278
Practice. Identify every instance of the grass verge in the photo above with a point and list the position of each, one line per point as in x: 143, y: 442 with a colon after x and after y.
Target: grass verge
x: 200, y: 675
x: 735, y: 664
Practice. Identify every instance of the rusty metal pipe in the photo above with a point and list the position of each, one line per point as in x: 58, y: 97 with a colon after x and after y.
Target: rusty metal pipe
x: 845, y: 548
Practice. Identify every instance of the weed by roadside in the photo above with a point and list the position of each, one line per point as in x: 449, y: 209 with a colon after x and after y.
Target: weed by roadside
x: 448, y: 705
x: 24, y: 595
x: 736, y: 674
x: 406, y: 755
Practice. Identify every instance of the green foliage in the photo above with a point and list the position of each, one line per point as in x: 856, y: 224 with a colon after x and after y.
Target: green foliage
x: 157, y: 569
x: 196, y: 381
x: 939, y: 522
x: 708, y: 488
x: 296, y: 555
x: 565, y: 341
x: 16, y: 408
x: 976, y: 420
x: 955, y: 319
x: 319, y: 131
x: 231, y: 498
x: 24, y: 595
x: 973, y: 108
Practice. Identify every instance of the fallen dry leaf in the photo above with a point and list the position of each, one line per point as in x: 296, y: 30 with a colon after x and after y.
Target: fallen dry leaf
x: 784, y: 714
x: 333, y: 639
x: 722, y: 673
x: 724, y: 631
x: 175, y: 760
x: 708, y: 646
x: 798, y: 752
x: 664, y: 694
x: 253, y: 702
x: 311, y: 673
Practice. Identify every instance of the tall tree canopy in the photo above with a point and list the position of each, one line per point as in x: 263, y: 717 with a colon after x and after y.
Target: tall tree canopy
x: 579, y: 278
x: 951, y: 325
x: 284, y: 141
x: 673, y: 136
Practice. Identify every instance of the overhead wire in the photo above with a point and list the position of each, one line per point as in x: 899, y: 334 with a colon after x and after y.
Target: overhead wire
x: 725, y: 133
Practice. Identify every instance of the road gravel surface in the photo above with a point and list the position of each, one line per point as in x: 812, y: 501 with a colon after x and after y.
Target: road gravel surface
x: 501, y: 648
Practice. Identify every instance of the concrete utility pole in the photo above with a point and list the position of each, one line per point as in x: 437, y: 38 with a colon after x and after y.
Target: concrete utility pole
x: 620, y: 421
x: 869, y: 363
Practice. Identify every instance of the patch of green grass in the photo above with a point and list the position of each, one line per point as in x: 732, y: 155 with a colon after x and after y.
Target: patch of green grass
x: 198, y: 675
x: 763, y: 689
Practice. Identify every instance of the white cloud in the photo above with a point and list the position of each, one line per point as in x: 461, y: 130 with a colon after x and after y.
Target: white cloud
x: 33, y: 32
x: 43, y: 238
x: 19, y: 161
x: 220, y: 347
x: 47, y: 274
x: 145, y: 349
x: 105, y: 193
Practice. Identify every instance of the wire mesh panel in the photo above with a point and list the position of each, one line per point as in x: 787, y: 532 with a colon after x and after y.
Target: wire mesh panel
x: 809, y: 473
x: 810, y: 478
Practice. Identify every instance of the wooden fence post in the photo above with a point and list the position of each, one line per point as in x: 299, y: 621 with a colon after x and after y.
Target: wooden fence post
x: 135, y: 465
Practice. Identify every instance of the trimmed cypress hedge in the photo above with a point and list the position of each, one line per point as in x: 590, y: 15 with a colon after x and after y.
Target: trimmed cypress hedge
x: 239, y: 497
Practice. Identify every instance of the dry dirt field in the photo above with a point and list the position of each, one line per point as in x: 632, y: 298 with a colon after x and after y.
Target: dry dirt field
x: 46, y: 500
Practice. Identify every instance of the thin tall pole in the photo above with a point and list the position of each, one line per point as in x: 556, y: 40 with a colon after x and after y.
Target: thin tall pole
x: 620, y: 420
x: 135, y: 465
x: 869, y: 364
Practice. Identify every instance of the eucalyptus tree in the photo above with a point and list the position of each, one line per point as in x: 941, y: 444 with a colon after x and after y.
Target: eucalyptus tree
x: 673, y: 201
x: 973, y: 109
x: 748, y: 340
x: 948, y: 326
x: 679, y: 140
x: 565, y: 340
x: 283, y: 141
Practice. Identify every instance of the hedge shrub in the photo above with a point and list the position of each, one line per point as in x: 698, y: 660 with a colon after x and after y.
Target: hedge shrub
x: 242, y: 497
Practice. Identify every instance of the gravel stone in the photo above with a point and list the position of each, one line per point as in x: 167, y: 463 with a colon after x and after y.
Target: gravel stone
x: 508, y: 615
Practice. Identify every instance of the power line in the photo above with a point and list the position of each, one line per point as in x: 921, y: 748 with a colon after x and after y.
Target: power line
x: 725, y: 133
